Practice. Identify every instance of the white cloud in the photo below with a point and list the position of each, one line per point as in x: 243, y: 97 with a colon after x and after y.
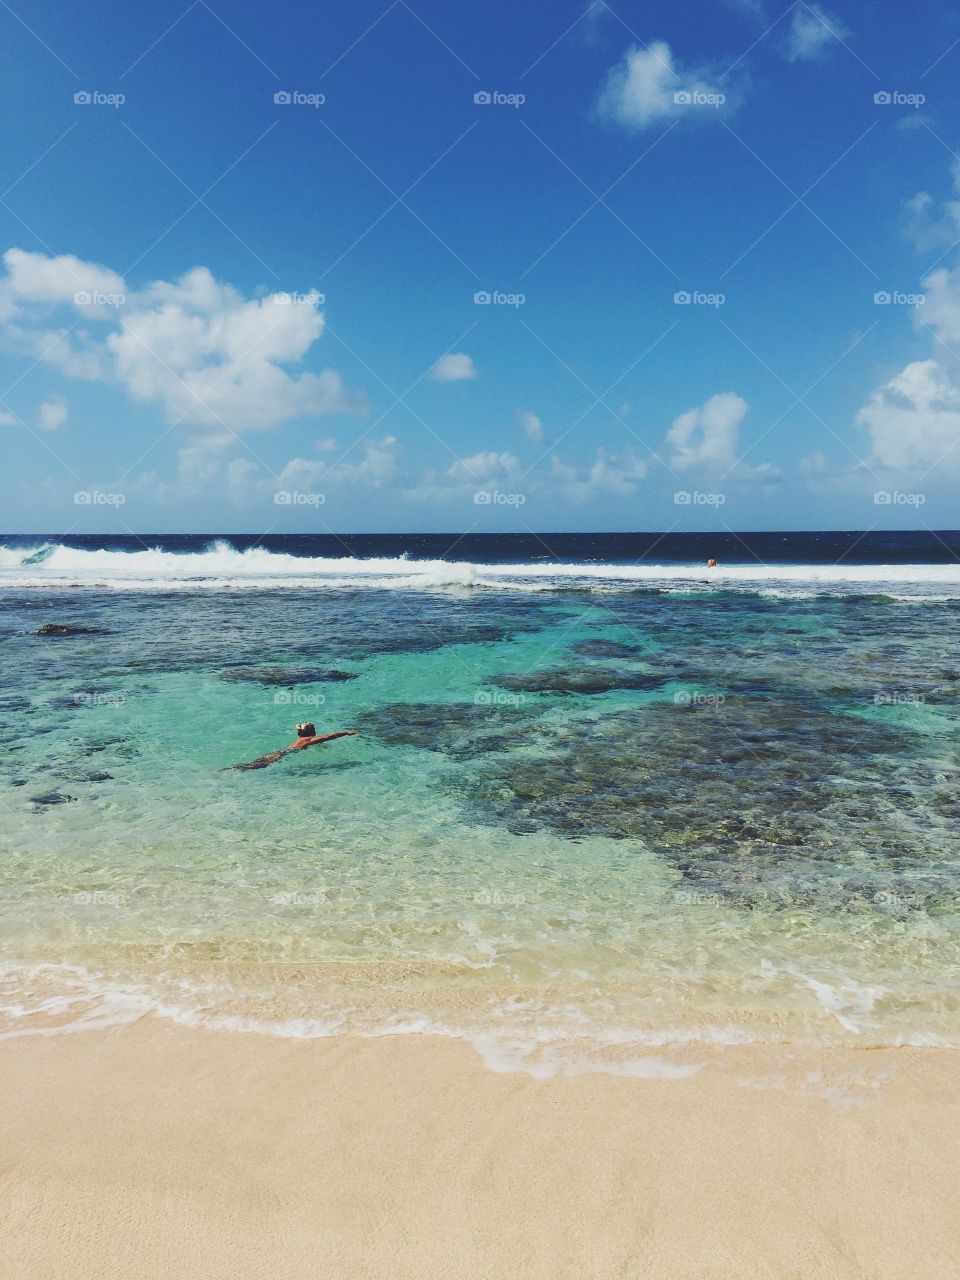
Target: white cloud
x: 941, y: 308
x: 608, y: 473
x: 203, y: 468
x: 914, y: 419
x: 531, y: 426
x: 377, y: 466
x: 485, y: 469
x: 8, y: 419
x: 371, y: 466
x: 648, y: 86
x: 593, y: 16
x: 453, y: 367
x: 707, y: 438
x: 753, y: 8
x: 928, y: 224
x: 34, y: 277
x: 195, y: 346
x: 52, y: 414
x: 812, y: 34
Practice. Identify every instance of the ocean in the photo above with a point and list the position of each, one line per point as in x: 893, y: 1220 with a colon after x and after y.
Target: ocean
x: 602, y: 798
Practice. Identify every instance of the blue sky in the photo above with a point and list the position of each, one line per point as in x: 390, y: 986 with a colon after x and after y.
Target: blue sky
x: 225, y: 312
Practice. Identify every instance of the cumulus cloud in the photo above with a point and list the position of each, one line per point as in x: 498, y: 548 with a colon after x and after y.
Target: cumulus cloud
x: 197, y: 347
x: 914, y: 419
x: 707, y: 438
x: 52, y: 414
x: 649, y: 86
x: 812, y: 34
x: 35, y: 277
x: 531, y: 426
x: 608, y: 473
x: 941, y: 308
x: 453, y: 367
x: 929, y: 225
x: 486, y: 467
x: 707, y: 435
x: 203, y: 466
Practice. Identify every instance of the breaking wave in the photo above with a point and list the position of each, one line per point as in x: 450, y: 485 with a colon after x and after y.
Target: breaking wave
x: 221, y: 567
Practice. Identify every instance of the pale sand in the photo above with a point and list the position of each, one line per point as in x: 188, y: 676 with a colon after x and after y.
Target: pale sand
x: 156, y: 1151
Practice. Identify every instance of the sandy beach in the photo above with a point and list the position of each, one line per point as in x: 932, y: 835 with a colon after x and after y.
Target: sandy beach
x: 156, y: 1151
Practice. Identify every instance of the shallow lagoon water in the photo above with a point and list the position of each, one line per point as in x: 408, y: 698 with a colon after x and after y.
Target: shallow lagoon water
x: 592, y: 818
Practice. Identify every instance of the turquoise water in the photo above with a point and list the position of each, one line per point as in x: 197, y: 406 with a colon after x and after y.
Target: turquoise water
x: 581, y: 817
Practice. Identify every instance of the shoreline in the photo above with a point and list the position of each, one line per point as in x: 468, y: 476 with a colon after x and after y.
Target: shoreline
x: 158, y: 1151
x: 543, y: 1030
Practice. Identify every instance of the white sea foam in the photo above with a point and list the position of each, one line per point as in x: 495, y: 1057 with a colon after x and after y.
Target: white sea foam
x: 535, y: 1038
x: 530, y: 1036
x: 845, y: 1001
x: 221, y: 567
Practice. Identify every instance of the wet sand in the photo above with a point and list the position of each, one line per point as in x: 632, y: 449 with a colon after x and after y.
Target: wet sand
x: 156, y: 1151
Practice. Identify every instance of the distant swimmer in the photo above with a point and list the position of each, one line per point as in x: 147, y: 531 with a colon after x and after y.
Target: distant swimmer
x: 306, y: 737
x: 711, y: 563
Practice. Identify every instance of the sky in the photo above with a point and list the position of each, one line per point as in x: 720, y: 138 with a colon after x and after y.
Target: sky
x: 396, y: 266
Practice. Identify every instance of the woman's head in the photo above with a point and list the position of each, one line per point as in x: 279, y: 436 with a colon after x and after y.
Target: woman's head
x: 306, y: 730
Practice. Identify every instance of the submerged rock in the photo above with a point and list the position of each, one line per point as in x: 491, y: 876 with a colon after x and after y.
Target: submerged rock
x: 285, y: 675
x: 752, y: 801
x: 64, y: 629
x: 608, y: 649
x: 52, y: 797
x: 84, y: 775
x: 102, y: 744
x: 458, y: 729
x: 585, y: 680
